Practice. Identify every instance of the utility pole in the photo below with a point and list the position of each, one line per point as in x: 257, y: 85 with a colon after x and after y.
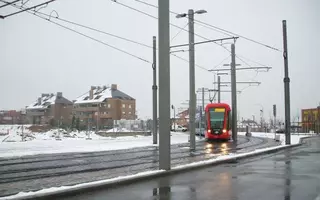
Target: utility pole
x: 275, y: 119
x: 219, y: 93
x: 154, y: 90
x: 192, y: 91
x: 286, y: 81
x: 201, y: 112
x: 202, y: 97
x: 234, y: 93
x: 164, y: 84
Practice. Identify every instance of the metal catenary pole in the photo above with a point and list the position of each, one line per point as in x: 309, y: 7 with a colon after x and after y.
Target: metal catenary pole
x: 164, y: 84
x: 286, y: 81
x: 219, y: 92
x: 154, y: 90
x: 234, y: 93
x: 192, y: 101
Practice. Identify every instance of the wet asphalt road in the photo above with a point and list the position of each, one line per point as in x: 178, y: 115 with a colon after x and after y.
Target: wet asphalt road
x: 291, y: 174
x: 31, y: 173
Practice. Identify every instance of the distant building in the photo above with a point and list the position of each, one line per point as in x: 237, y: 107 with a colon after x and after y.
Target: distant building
x: 102, y: 105
x: 310, y: 119
x: 11, y: 117
x: 51, y: 109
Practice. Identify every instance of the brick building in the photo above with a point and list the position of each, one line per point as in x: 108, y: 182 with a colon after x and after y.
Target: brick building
x: 50, y: 109
x: 12, y: 117
x: 311, y: 119
x: 102, y: 105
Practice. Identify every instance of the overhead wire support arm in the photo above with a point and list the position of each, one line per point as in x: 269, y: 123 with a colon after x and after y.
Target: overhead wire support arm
x: 27, y: 9
x: 240, y: 82
x: 207, y: 41
x: 242, y: 68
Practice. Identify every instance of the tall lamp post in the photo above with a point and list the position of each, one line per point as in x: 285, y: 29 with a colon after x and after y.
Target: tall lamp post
x: 192, y: 97
x: 174, y: 117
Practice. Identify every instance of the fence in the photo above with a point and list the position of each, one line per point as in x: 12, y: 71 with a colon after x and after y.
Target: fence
x: 132, y: 125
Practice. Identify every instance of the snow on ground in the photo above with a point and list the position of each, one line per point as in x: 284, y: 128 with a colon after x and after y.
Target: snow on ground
x: 45, y: 144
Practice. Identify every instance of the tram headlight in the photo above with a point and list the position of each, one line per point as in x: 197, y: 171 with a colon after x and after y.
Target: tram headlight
x: 209, y: 131
x: 224, y: 131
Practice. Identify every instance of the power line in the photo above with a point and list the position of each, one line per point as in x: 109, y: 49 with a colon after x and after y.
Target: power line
x: 179, y: 32
x: 246, y: 38
x: 84, y: 35
x: 252, y: 61
x: 199, y: 66
x: 217, y: 28
x: 93, y: 29
x: 181, y: 28
x: 149, y: 15
x: 221, y: 62
x: 213, y: 29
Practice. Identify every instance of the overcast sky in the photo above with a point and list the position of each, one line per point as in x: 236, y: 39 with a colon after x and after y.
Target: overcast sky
x: 37, y: 56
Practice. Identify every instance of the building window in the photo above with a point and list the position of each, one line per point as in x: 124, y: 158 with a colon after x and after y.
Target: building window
x: 124, y: 113
x: 130, y: 106
x: 129, y: 113
x: 123, y: 105
x: 109, y: 105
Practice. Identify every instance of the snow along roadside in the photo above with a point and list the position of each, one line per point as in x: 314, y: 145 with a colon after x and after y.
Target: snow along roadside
x: 142, y: 175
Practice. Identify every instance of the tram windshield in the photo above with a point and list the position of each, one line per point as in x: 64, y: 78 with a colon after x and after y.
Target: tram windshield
x: 216, y: 116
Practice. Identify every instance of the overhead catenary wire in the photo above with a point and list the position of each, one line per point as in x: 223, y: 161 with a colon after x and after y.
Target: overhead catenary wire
x: 171, y: 24
x: 94, y: 29
x: 218, y: 28
x: 82, y: 34
x: 181, y: 28
x: 179, y: 32
x: 186, y: 60
x: 199, y: 24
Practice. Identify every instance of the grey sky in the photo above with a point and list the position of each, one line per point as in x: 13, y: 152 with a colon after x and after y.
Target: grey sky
x: 39, y: 57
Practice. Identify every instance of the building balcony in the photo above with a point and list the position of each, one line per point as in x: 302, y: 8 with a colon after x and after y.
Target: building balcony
x: 86, y: 109
x: 35, y: 113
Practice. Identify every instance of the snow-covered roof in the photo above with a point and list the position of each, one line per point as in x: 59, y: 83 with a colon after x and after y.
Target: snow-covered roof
x: 46, y: 101
x: 99, y: 95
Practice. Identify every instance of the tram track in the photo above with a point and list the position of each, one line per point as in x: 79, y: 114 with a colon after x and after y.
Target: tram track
x: 23, y: 173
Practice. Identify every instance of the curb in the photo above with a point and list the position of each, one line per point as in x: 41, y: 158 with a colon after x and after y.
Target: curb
x: 68, y: 190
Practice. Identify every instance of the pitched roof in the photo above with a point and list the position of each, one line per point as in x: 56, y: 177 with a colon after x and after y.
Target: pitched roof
x: 99, y: 95
x: 45, y: 102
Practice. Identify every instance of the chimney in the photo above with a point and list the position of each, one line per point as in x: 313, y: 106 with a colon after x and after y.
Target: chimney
x: 114, y: 86
x: 59, y: 95
x: 39, y: 101
x: 91, y: 92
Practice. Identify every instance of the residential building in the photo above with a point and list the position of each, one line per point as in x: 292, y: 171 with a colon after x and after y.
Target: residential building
x: 51, y: 109
x: 100, y: 106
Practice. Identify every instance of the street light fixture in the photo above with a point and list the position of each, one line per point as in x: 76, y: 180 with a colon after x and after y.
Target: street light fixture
x: 200, y: 11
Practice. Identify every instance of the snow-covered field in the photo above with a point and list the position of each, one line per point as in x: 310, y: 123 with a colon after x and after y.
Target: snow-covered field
x: 46, y: 143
